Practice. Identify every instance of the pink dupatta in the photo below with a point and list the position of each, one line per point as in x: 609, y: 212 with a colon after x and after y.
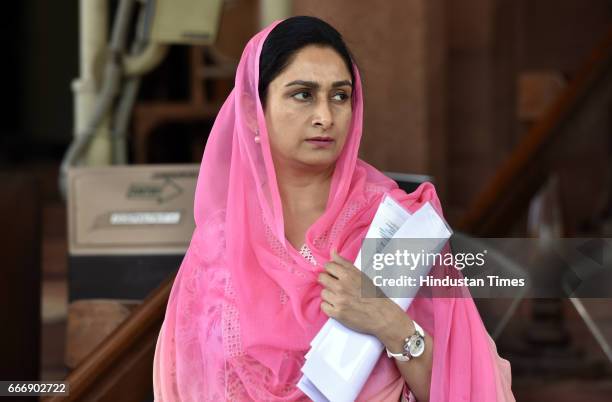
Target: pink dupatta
x: 245, y: 304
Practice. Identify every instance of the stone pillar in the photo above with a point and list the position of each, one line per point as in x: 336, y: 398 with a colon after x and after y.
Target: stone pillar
x: 481, y: 94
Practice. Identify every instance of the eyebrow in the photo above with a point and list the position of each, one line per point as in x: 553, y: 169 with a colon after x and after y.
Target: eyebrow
x: 316, y: 85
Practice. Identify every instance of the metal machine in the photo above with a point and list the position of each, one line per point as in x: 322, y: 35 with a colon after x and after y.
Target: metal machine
x: 128, y: 226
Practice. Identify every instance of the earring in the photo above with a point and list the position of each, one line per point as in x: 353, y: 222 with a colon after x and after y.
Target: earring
x: 257, y: 139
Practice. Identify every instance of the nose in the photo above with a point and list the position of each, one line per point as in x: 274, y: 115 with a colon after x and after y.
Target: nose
x: 323, y: 116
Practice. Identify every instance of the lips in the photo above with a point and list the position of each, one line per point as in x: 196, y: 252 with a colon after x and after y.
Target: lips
x: 329, y: 139
x: 321, y: 142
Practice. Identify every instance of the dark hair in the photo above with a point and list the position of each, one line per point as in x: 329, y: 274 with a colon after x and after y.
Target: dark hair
x: 287, y: 38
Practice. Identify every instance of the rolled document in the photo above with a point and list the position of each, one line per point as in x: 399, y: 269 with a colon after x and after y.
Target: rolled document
x: 340, y: 360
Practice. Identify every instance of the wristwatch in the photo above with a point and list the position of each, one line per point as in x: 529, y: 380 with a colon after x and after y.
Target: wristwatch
x: 414, y: 345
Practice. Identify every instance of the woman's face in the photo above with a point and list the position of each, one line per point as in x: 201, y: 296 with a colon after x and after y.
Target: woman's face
x: 308, y: 109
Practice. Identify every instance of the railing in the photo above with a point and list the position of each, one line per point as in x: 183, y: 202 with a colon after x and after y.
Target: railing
x: 120, y: 369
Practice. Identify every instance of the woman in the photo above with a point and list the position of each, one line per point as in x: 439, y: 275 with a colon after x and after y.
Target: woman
x: 280, y: 188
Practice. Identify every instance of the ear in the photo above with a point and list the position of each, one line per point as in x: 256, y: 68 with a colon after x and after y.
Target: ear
x: 249, y: 113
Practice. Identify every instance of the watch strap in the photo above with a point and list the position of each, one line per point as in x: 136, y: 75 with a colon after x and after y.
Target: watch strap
x: 402, y: 357
x: 405, y: 356
x: 418, y: 329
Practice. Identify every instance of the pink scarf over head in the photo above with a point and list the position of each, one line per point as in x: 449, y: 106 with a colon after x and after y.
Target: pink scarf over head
x: 246, y: 304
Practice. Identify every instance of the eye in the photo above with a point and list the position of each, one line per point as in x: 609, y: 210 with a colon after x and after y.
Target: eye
x: 302, y: 95
x: 340, y: 97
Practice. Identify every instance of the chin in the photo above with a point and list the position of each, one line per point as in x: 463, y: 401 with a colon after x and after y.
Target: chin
x: 320, y: 161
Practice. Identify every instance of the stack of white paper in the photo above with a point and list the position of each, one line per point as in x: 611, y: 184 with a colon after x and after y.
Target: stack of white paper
x: 340, y: 360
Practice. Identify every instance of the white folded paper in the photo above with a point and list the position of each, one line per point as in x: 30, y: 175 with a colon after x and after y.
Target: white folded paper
x: 340, y: 360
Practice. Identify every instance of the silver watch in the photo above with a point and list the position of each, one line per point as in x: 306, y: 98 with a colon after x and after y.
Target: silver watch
x: 414, y: 345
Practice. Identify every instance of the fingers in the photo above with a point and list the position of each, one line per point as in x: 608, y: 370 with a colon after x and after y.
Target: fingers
x: 348, y: 267
x: 335, y: 269
x: 328, y: 296
x: 330, y: 303
x: 329, y: 281
x: 338, y: 259
x: 327, y: 308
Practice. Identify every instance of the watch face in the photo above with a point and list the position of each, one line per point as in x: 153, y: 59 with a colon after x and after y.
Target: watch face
x: 416, y: 345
